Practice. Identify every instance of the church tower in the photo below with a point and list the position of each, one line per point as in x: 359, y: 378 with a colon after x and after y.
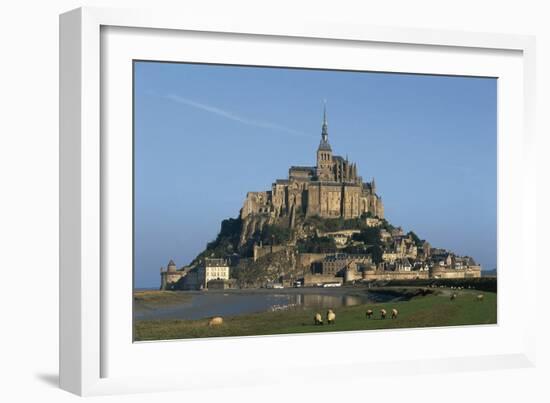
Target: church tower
x: 324, y: 153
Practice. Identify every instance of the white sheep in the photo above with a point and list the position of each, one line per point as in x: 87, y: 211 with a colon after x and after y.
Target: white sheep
x: 480, y: 297
x: 331, y: 316
x: 383, y: 313
x: 318, y: 319
x: 215, y: 321
x: 394, y: 313
x: 369, y: 313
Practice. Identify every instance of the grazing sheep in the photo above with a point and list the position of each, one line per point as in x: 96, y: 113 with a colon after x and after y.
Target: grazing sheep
x: 383, y: 314
x: 331, y: 317
x: 215, y: 321
x: 318, y: 319
x: 369, y: 313
x: 394, y: 313
x: 453, y: 296
x: 480, y: 297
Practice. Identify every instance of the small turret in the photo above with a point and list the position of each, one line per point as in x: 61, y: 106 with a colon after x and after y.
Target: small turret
x: 171, y: 266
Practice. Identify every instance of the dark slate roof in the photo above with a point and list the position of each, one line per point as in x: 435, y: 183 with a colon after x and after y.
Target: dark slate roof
x: 300, y: 168
x: 215, y: 262
x: 343, y: 256
x: 325, y: 146
x: 329, y: 183
x: 171, y: 263
x: 338, y: 256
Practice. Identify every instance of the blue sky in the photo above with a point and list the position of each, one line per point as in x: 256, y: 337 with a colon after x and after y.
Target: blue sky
x: 206, y: 134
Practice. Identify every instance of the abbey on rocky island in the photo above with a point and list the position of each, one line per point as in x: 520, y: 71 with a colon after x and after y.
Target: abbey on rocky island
x: 322, y: 225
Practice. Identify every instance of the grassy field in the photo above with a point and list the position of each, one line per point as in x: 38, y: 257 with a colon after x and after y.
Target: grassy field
x: 160, y: 298
x: 431, y: 310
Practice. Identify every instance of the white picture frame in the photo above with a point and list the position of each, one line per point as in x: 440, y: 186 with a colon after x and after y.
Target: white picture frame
x: 95, y: 360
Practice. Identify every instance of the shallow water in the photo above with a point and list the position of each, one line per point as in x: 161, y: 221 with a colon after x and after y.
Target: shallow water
x: 240, y: 302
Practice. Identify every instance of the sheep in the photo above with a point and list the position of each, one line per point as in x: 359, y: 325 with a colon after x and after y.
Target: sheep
x: 453, y: 296
x: 331, y: 317
x: 394, y: 313
x: 215, y: 321
x: 369, y: 313
x: 383, y: 313
x: 480, y: 297
x: 318, y: 319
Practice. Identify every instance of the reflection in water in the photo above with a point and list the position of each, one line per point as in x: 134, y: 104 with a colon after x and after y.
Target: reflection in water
x: 231, y: 304
x: 329, y: 301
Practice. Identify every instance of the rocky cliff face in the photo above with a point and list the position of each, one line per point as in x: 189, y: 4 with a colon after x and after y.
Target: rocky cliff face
x: 269, y: 268
x: 250, y: 225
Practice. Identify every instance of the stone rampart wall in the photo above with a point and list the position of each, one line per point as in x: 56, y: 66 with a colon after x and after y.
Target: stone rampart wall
x: 314, y: 279
x: 395, y: 275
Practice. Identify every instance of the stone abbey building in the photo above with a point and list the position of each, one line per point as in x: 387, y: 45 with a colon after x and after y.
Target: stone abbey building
x: 331, y: 189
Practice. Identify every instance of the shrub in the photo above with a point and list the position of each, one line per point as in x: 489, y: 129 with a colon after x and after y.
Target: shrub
x: 317, y: 244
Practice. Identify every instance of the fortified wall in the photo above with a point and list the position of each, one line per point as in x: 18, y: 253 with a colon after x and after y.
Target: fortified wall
x: 263, y: 250
x: 470, y: 272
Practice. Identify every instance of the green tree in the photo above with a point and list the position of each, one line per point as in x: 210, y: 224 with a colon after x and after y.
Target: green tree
x: 317, y: 244
x: 417, y: 241
x: 368, y: 236
x: 376, y: 253
x: 356, y: 249
x: 275, y: 234
x: 226, y: 242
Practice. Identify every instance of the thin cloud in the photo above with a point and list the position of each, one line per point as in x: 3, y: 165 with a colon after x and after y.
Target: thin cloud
x: 232, y: 116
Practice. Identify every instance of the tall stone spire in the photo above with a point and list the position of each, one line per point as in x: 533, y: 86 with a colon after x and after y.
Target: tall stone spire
x: 324, y: 133
x: 324, y: 145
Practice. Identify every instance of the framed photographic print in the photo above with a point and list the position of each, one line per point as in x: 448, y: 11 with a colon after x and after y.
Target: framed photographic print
x: 287, y: 195
x: 315, y: 251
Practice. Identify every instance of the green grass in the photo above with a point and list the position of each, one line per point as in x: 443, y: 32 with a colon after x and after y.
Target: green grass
x: 153, y: 299
x: 431, y: 310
